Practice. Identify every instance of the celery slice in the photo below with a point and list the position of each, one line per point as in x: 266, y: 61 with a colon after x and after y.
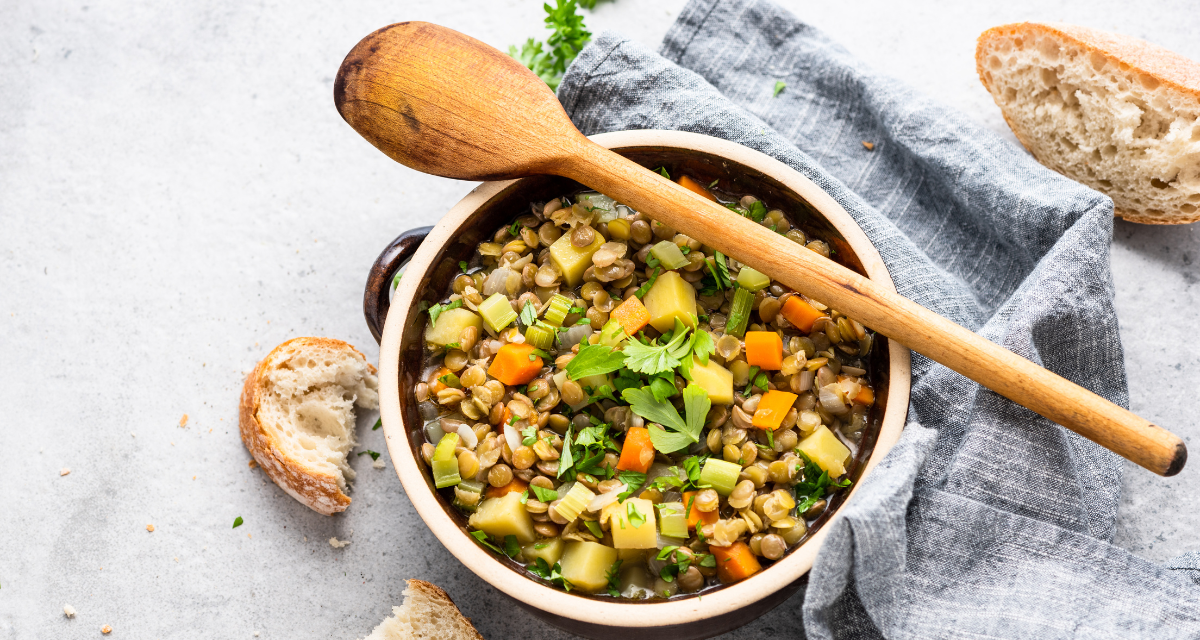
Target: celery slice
x: 497, y: 312
x: 574, y: 502
x: 722, y: 476
x: 739, y: 312
x: 539, y: 337
x: 669, y: 255
x: 672, y: 520
x: 445, y: 447
x: 472, y: 486
x: 558, y: 309
x: 752, y: 280
x: 445, y: 464
x: 612, y: 334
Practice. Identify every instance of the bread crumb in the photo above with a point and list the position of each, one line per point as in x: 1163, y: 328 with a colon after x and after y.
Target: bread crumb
x: 183, y: 421
x: 106, y: 629
x: 193, y: 477
x: 255, y: 634
x: 64, y: 472
x: 176, y: 558
x: 132, y: 434
x: 338, y: 544
x: 869, y: 145
x: 68, y: 611
x: 379, y: 464
x: 150, y: 528
x: 253, y: 464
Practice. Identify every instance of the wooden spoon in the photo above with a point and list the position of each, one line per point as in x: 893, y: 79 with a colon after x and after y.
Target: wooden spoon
x: 446, y: 104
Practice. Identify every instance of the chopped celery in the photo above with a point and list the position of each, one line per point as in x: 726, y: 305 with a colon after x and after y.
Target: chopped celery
x: 469, y: 486
x: 739, y: 312
x: 539, y: 337
x: 570, y: 506
x: 612, y: 334
x: 752, y: 280
x: 669, y: 254
x: 720, y: 475
x: 472, y: 486
x: 445, y: 464
x: 672, y: 520
x: 497, y: 312
x: 558, y: 309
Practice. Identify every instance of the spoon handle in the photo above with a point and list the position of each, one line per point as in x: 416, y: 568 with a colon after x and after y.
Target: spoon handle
x: 892, y: 315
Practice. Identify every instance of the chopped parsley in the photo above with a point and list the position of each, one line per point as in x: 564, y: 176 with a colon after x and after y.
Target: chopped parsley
x: 437, y: 309
x: 543, y: 494
x: 663, y: 171
x: 614, y: 579
x: 374, y: 454
x: 780, y: 85
x: 378, y: 423
x: 462, y: 265
x: 814, y: 485
x: 237, y: 522
x: 483, y: 539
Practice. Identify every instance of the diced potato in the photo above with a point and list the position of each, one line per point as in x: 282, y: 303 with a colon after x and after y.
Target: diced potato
x: 826, y: 450
x: 585, y: 565
x: 450, y: 325
x: 671, y: 297
x: 551, y: 550
x: 571, y: 260
x: 715, y: 379
x: 624, y: 534
x: 504, y: 516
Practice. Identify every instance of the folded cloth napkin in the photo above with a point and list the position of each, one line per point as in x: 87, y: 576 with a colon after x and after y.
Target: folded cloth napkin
x: 985, y: 520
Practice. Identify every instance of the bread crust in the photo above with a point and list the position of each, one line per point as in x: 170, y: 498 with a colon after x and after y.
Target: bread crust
x: 441, y: 598
x: 1132, y: 55
x: 314, y: 488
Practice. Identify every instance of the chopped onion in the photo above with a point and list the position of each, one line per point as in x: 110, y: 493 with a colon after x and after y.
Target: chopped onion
x: 433, y: 431
x: 497, y: 282
x: 831, y: 402
x: 469, y: 440
x: 605, y: 499
x: 574, y: 335
x: 512, y: 437
x: 806, y: 380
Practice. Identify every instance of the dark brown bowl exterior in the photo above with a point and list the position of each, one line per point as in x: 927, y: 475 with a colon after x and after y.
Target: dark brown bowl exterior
x: 434, y: 280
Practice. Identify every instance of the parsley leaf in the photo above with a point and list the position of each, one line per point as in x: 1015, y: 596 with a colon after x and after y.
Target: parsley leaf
x: 643, y: 403
x: 719, y: 271
x: 529, y: 435
x: 378, y: 423
x: 511, y: 548
x: 614, y: 578
x: 645, y: 288
x: 543, y: 494
x: 566, y: 461
x: 713, y: 183
x: 633, y: 480
x: 594, y: 528
x: 593, y: 360
x: 483, y: 539
x: 636, y: 518
x: 237, y: 522
x: 528, y: 314
x: 663, y: 171
x: 569, y: 37
x: 815, y: 485
x: 780, y: 85
x: 374, y: 454
x: 462, y: 265
x: 757, y: 212
x: 653, y: 360
x: 437, y: 310
x: 663, y: 387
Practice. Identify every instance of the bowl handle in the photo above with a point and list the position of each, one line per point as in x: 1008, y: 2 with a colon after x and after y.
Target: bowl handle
x: 377, y: 297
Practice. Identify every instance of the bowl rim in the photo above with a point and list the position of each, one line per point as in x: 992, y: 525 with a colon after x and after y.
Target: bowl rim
x: 617, y: 613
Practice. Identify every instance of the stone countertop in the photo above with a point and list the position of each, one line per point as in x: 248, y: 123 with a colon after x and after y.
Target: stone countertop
x: 178, y: 195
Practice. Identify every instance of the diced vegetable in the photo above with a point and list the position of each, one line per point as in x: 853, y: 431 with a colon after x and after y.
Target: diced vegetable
x: 637, y: 454
x: 450, y: 325
x: 800, y: 313
x: 436, y: 384
x: 735, y: 562
x: 715, y: 379
x: 772, y: 408
x: 722, y: 476
x: 549, y: 550
x: 445, y: 464
x: 632, y: 524
x: 557, y: 311
x: 752, y: 280
x: 632, y: 315
x: 539, y: 337
x: 672, y: 521
x: 696, y: 516
x: 515, y: 364
x: 669, y: 254
x: 497, y: 312
x: 739, y: 312
x: 826, y: 450
x: 866, y: 396
x: 571, y: 260
x: 469, y: 486
x: 585, y: 565
x: 612, y: 333
x: 692, y: 185
x: 517, y: 486
x: 504, y: 516
x: 576, y: 500
x: 671, y: 297
x: 764, y: 349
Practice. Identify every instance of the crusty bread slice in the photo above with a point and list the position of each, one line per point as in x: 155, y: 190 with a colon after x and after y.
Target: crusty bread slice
x: 1116, y: 113
x: 297, y: 417
x: 427, y: 612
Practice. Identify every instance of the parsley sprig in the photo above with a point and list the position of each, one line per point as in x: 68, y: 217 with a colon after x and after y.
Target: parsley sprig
x: 815, y: 485
x: 549, y: 60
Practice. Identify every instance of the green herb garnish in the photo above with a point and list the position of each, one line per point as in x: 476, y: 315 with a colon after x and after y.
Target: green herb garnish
x: 780, y: 85
x: 594, y: 360
x: 483, y: 539
x: 663, y: 171
x: 815, y: 484
x: 614, y: 579
x: 569, y: 37
x: 374, y: 454
x: 237, y: 522
x: 378, y: 423
x: 543, y: 494
x: 437, y: 309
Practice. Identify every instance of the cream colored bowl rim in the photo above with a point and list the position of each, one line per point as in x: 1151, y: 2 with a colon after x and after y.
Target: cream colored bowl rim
x: 598, y: 611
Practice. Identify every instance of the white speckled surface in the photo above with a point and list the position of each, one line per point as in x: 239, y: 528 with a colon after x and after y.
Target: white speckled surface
x: 178, y: 195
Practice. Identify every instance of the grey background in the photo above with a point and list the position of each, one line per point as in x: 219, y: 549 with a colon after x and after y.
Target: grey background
x: 178, y: 195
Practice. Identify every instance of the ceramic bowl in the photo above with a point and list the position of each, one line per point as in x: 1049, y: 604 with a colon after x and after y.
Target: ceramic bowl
x: 433, y: 255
